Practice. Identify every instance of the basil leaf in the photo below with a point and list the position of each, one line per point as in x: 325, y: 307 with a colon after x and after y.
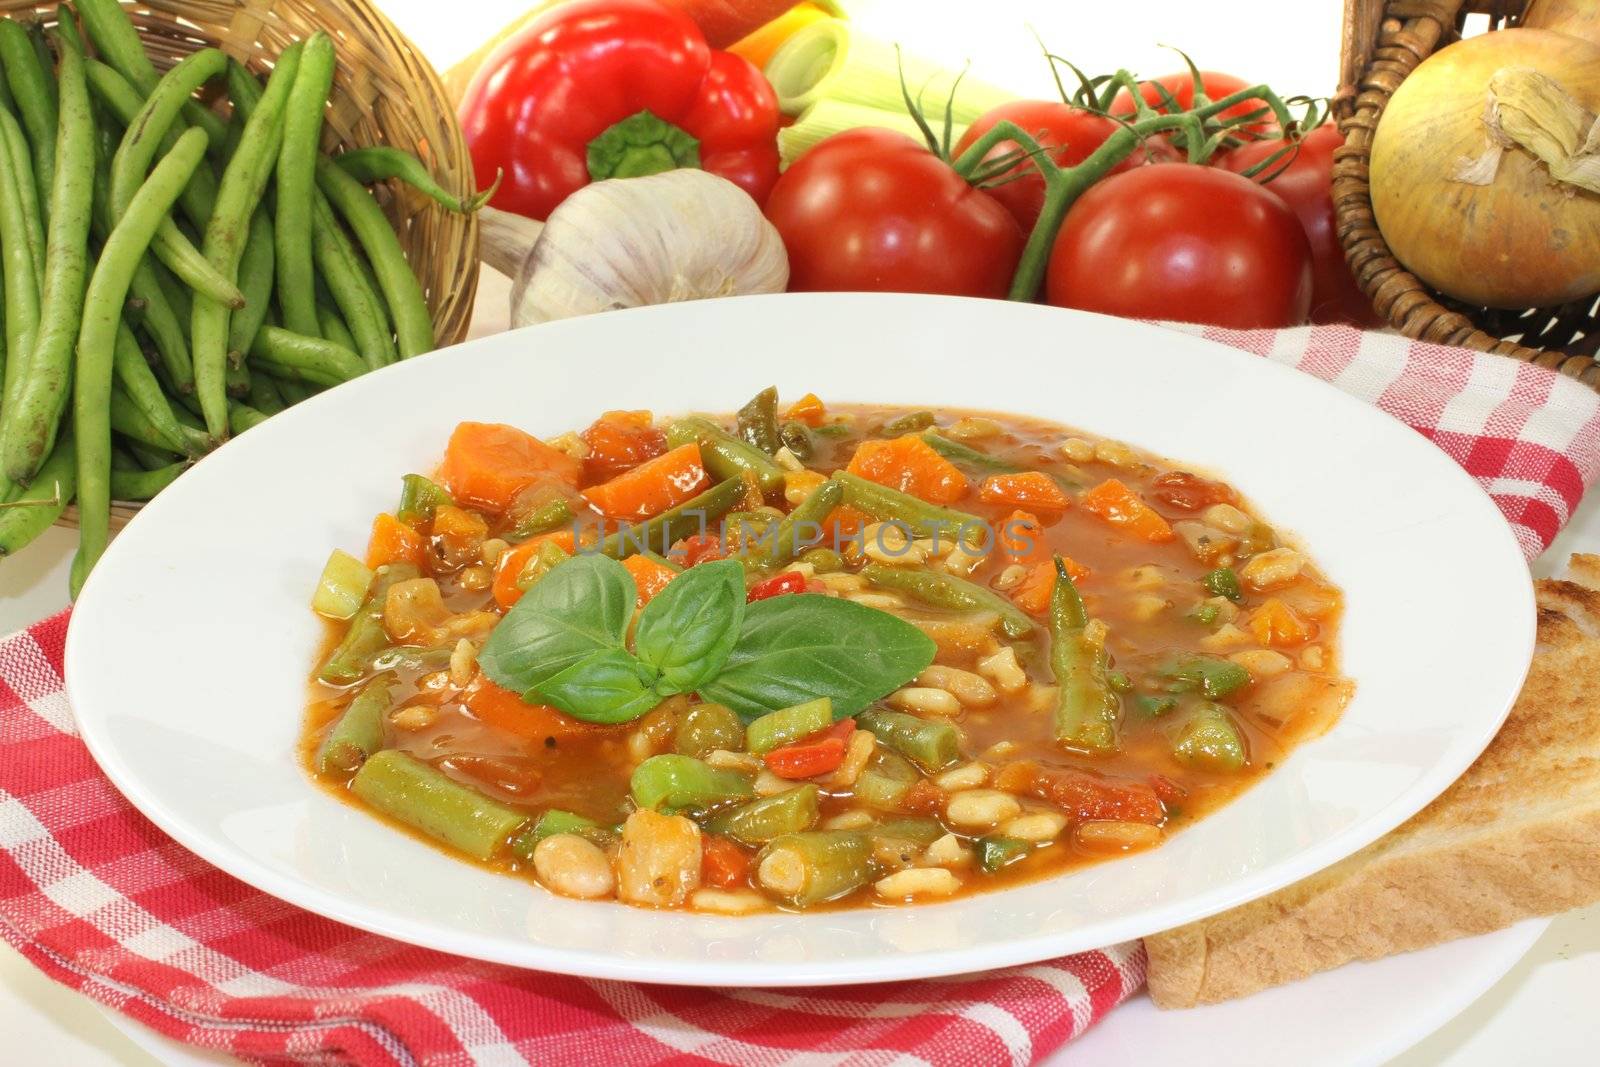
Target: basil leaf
x: 606, y: 687
x: 802, y: 646
x: 581, y: 606
x: 687, y: 631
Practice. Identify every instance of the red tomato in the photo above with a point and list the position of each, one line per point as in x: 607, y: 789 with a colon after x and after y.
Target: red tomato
x: 1216, y: 86
x: 1304, y: 181
x: 1070, y: 134
x: 1176, y: 241
x: 873, y: 210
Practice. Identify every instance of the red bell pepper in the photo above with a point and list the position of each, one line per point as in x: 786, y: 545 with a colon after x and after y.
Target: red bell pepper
x: 819, y: 753
x: 777, y: 585
x: 599, y: 89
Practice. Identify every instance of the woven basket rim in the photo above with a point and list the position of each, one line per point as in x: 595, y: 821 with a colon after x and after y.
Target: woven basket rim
x: 1408, y: 32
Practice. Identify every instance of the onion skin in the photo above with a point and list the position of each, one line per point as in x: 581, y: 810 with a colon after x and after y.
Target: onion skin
x: 1577, y: 18
x: 1519, y: 241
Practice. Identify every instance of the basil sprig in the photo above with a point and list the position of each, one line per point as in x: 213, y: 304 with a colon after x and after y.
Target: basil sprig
x: 565, y: 644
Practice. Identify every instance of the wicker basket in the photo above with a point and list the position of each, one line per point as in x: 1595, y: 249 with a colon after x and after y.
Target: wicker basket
x: 1384, y: 40
x: 384, y: 92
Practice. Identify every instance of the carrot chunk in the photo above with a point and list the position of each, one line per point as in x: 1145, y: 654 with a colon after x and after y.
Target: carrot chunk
x: 723, y: 863
x: 1033, y: 593
x: 1121, y: 506
x: 488, y: 464
x: 1021, y: 537
x: 652, y: 487
x: 1032, y: 490
x: 507, y: 586
x: 910, y: 465
x: 808, y: 409
x: 649, y: 576
x: 619, y: 441
x: 505, y: 710
x: 1276, y: 623
x: 393, y: 541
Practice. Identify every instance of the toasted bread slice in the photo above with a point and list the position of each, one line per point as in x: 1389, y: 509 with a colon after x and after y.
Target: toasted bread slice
x: 1518, y: 835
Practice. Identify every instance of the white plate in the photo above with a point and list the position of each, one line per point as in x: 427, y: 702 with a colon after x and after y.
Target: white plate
x: 187, y: 655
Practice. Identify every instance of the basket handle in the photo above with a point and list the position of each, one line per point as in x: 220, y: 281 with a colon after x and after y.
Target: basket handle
x: 1359, y: 37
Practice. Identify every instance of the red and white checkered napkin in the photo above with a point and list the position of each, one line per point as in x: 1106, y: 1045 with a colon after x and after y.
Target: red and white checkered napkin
x: 99, y: 899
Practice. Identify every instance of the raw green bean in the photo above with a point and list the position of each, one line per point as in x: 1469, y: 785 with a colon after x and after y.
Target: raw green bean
x: 149, y: 458
x: 264, y: 395
x: 41, y: 47
x: 1087, y: 708
x: 161, y: 322
x: 674, y: 781
x: 691, y: 517
x: 238, y: 193
x: 342, y: 586
x: 287, y: 354
x: 724, y: 455
x: 122, y: 461
x: 920, y: 518
x: 20, y: 161
x: 130, y: 422
x: 705, y: 728
x: 21, y: 285
x: 105, y: 346
x: 758, y: 421
x: 31, y: 430
x: 242, y: 417
x: 255, y: 282
x: 419, y: 497
x: 948, y: 591
x: 366, y: 636
x: 933, y: 746
x: 142, y: 484
x: 34, y: 93
x: 358, y: 731
x: 423, y: 798
x: 802, y: 527
x: 401, y: 291
x: 760, y: 821
x: 339, y: 264
x: 381, y: 163
x: 1211, y: 741
x: 542, y: 518
x: 331, y: 326
x: 296, y: 173
x: 117, y: 41
x: 778, y: 728
x: 815, y: 866
x: 123, y: 101
x: 293, y: 392
x: 36, y: 508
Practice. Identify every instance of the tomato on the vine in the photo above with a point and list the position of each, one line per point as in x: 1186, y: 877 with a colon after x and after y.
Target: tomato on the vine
x: 1068, y: 132
x: 1177, y: 241
x: 871, y: 209
x: 1303, y: 179
x: 1216, y: 86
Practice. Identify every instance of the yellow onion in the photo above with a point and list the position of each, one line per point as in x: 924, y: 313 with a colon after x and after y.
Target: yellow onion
x: 1485, y: 170
x: 1580, y: 18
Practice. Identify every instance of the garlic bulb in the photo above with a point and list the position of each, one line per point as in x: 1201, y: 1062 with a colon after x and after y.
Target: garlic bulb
x: 626, y: 242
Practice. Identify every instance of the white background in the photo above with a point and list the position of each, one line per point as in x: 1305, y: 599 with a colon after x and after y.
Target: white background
x: 1542, y: 1012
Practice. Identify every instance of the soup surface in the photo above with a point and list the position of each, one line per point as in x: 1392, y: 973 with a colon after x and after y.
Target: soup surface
x: 811, y: 656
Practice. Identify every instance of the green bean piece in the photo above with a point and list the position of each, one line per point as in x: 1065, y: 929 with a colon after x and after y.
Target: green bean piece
x: 20, y: 161
x: 107, y: 349
x: 423, y: 798
x: 673, y: 781
x: 264, y: 395
x: 758, y: 421
x: 1204, y: 614
x: 36, y: 508
x: 802, y: 527
x: 237, y: 196
x: 1086, y: 707
x: 932, y: 746
x: 255, y: 282
x: 342, y: 588
x: 910, y: 422
x: 401, y: 290
x: 724, y: 455
x: 333, y: 328
x: 796, y: 437
x: 366, y: 636
x: 948, y: 591
x: 555, y: 821
x: 705, y: 728
x: 30, y: 429
x: 542, y: 518
x: 815, y: 866
x: 1153, y: 707
x: 291, y: 355
x: 823, y: 560
x: 956, y: 452
x: 539, y: 564
x: 691, y: 517
x: 339, y: 264
x: 419, y: 497
x: 1214, y: 676
x: 20, y: 281
x: 997, y: 853
x: 920, y: 832
x: 297, y: 163
x: 918, y: 516
x: 769, y: 818
x: 407, y: 658
x: 880, y: 790
x: 35, y: 94
x: 381, y: 163
x: 358, y: 732
x: 140, y: 485
x: 1223, y: 582
x: 778, y: 728
x: 1211, y: 741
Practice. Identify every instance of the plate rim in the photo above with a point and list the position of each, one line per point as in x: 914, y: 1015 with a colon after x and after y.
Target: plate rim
x: 911, y: 964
